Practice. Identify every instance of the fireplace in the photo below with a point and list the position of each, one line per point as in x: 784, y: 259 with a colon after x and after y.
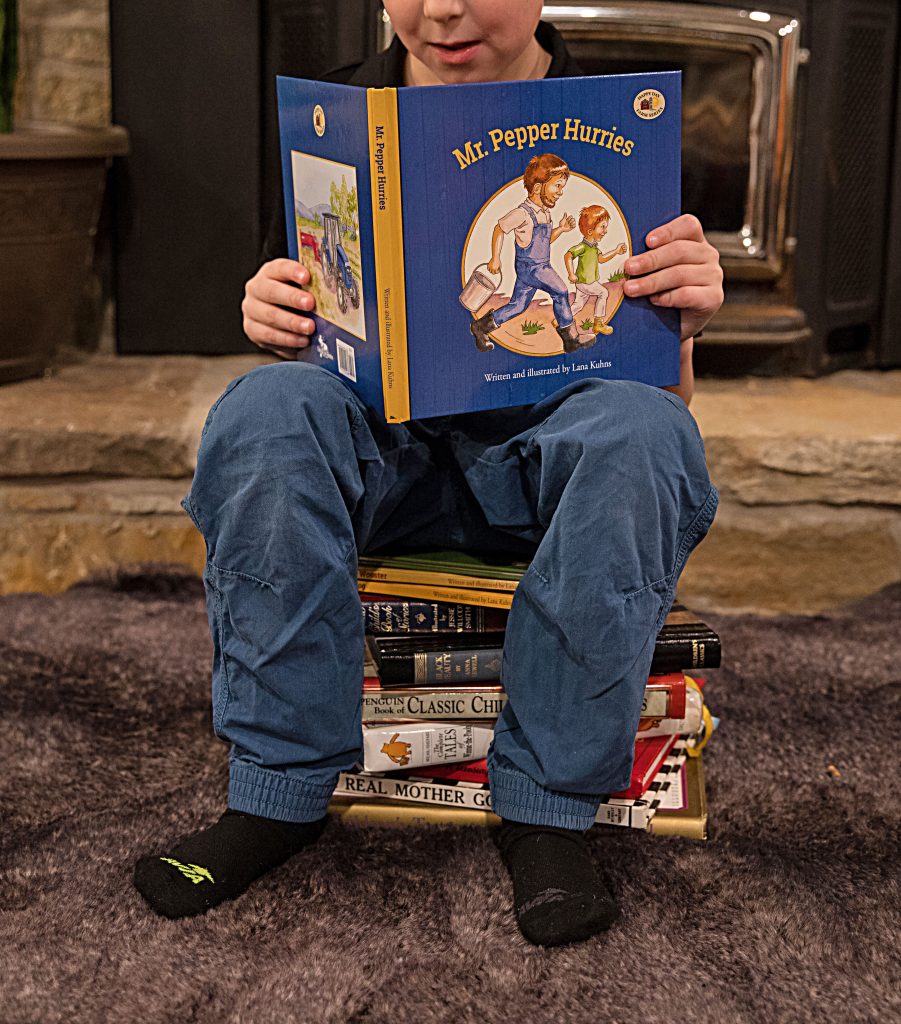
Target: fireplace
x: 788, y: 128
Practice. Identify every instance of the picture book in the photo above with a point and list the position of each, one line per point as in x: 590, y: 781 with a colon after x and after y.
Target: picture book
x: 466, y: 243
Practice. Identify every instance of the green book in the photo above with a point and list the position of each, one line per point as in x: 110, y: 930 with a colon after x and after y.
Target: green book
x: 449, y: 563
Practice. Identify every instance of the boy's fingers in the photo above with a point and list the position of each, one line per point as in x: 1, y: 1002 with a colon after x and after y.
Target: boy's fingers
x: 286, y: 270
x: 671, y: 255
x: 665, y: 280
x: 267, y: 315
x: 687, y: 226
x: 272, y: 337
x: 689, y: 297
x: 279, y: 294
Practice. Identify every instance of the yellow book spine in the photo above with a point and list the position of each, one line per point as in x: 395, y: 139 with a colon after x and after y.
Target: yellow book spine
x: 390, y: 813
x: 691, y: 821
x: 438, y: 579
x: 453, y: 595
x: 388, y: 236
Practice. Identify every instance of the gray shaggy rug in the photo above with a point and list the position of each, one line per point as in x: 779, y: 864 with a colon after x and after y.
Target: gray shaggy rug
x: 788, y: 913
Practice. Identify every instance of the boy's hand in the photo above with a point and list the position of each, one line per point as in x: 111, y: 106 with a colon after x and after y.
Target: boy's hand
x: 268, y: 325
x: 681, y: 270
x: 621, y: 249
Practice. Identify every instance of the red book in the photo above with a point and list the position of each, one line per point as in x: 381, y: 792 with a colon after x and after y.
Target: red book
x: 668, y: 690
x: 649, y: 756
x: 462, y: 771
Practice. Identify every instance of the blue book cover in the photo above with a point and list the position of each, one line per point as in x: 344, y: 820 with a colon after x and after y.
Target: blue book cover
x: 466, y: 243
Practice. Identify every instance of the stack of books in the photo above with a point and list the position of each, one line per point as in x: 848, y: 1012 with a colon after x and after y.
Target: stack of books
x: 431, y: 694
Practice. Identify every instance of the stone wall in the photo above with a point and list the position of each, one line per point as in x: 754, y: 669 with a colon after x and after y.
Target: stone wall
x: 64, y: 62
x: 98, y: 456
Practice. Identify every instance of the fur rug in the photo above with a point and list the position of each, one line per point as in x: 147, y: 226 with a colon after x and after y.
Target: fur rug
x: 788, y: 912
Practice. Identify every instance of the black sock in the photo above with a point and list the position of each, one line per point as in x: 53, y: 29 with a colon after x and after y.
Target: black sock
x: 220, y: 862
x: 557, y: 894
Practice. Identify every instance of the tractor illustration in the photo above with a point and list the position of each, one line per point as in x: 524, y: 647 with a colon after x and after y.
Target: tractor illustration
x: 335, y: 264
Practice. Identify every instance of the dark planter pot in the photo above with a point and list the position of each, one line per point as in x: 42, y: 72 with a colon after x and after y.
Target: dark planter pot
x: 51, y: 186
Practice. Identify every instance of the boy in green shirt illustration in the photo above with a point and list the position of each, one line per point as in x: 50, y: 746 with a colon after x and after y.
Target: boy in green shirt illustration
x: 582, y: 262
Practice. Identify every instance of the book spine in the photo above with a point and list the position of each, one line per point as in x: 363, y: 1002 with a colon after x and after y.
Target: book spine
x: 391, y: 813
x: 436, y: 668
x: 461, y: 665
x: 664, y: 701
x: 408, y: 617
x: 387, y: 748
x: 441, y: 579
x: 381, y: 706
x: 388, y: 240
x: 462, y: 771
x: 452, y: 595
x: 445, y: 794
x: 627, y: 813
x: 690, y: 724
x: 675, y: 653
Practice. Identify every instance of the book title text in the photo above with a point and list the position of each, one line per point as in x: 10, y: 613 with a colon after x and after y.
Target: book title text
x: 528, y: 136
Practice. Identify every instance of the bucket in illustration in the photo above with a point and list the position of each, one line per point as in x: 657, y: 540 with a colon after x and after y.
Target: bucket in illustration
x: 480, y: 287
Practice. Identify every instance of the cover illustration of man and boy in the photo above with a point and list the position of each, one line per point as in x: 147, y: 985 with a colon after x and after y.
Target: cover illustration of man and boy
x: 531, y: 224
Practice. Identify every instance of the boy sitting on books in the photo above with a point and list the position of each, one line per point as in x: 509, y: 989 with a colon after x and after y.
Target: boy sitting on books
x: 603, y: 486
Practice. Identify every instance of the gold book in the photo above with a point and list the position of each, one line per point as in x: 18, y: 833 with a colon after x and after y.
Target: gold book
x: 691, y: 821
x: 426, y: 577
x: 452, y: 595
x: 398, y: 812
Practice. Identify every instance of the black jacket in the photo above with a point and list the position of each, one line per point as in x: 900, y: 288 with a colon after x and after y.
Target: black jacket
x: 387, y: 69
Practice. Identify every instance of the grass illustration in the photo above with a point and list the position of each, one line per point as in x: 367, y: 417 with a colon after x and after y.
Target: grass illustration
x: 619, y: 275
x: 531, y: 327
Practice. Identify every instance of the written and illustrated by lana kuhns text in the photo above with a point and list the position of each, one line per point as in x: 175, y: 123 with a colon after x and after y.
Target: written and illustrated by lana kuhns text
x: 561, y: 369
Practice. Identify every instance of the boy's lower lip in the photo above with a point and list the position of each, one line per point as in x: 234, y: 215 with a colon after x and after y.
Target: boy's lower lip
x: 457, y: 54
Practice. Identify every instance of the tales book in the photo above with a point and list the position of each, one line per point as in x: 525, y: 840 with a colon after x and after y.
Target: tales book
x: 466, y: 243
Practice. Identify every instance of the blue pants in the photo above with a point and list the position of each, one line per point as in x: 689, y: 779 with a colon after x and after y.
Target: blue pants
x: 604, y: 483
x: 531, y: 276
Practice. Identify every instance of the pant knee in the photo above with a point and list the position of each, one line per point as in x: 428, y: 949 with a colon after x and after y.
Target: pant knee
x: 278, y: 397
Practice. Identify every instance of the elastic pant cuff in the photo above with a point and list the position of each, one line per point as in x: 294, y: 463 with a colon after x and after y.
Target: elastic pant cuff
x: 518, y: 798
x: 270, y: 794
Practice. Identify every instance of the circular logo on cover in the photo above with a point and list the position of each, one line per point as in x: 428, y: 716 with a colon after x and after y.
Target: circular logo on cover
x: 319, y: 120
x: 649, y: 104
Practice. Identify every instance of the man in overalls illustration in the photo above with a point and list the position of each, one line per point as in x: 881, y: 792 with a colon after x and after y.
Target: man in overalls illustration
x: 545, y: 178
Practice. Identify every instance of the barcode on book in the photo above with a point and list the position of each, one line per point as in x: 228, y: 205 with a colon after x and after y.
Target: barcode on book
x: 347, y: 365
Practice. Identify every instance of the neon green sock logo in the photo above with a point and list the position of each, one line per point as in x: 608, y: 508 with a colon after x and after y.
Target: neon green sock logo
x: 193, y: 871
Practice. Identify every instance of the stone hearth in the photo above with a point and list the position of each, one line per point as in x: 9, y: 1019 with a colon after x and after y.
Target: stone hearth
x: 95, y: 458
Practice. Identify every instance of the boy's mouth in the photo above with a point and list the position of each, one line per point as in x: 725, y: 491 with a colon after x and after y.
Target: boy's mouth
x: 456, y: 53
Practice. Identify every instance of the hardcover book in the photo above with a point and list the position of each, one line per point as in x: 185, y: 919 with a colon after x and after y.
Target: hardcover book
x: 388, y: 616
x: 628, y: 812
x: 646, y: 768
x: 664, y: 703
x: 425, y: 660
x: 466, y: 243
x: 387, y: 748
